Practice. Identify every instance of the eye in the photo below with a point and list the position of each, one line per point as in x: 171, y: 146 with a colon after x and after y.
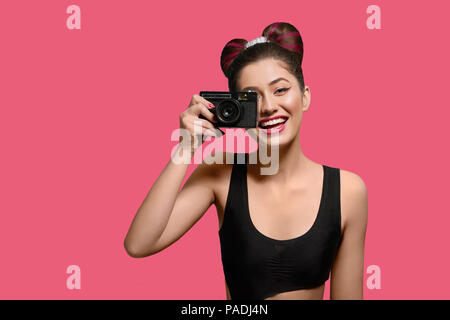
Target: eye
x: 282, y: 90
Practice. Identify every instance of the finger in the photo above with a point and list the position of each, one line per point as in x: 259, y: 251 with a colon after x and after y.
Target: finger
x: 195, y: 108
x: 199, y: 109
x: 199, y: 99
x: 206, y: 103
x: 194, y: 100
x: 211, y: 133
x: 202, y: 123
x: 206, y: 113
x: 205, y: 134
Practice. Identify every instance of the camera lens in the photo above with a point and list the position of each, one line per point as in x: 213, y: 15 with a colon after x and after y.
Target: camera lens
x: 228, y: 111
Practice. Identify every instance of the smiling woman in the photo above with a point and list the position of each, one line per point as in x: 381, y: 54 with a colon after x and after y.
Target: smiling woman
x: 276, y: 56
x: 280, y: 234
x: 281, y: 102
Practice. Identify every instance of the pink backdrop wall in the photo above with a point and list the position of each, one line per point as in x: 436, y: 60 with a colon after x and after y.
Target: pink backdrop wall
x: 86, y: 118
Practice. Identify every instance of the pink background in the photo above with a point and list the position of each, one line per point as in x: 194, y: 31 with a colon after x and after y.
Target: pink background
x: 86, y: 118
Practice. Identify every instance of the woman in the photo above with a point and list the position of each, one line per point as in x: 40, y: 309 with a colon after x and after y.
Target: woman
x: 280, y: 234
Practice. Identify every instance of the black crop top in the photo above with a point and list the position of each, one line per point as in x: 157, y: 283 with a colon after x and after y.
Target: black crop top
x: 256, y: 266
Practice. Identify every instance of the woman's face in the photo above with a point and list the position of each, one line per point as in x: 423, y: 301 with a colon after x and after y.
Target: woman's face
x: 279, y: 94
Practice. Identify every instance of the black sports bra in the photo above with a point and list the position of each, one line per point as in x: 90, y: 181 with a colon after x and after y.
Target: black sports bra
x: 256, y: 266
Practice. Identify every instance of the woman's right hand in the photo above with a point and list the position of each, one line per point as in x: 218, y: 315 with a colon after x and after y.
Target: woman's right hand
x: 157, y: 223
x: 190, y: 118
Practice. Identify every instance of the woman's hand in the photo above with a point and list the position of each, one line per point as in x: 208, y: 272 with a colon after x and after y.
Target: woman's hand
x: 189, y: 119
x: 167, y: 213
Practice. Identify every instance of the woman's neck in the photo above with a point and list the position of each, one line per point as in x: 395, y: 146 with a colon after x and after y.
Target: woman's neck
x: 291, y: 162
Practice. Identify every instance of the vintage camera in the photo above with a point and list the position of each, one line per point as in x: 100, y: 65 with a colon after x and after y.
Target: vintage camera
x: 233, y: 109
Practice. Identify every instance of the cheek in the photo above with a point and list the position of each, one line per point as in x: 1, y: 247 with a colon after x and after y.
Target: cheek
x: 294, y: 108
x: 293, y: 105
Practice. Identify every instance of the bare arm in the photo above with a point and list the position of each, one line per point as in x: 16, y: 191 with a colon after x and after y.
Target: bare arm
x: 167, y: 213
x: 347, y: 274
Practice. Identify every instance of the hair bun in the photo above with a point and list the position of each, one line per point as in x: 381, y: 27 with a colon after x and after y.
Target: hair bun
x: 230, y: 51
x: 285, y: 35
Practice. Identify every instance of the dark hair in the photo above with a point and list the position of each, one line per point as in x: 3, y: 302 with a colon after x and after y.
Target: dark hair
x: 284, y: 44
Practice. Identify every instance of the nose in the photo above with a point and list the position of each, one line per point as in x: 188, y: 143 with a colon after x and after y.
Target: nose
x: 267, y: 106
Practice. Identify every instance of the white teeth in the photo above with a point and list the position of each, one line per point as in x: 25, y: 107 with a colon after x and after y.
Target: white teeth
x: 272, y: 122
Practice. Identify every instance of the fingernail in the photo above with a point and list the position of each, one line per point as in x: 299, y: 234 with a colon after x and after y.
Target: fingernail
x: 210, y: 106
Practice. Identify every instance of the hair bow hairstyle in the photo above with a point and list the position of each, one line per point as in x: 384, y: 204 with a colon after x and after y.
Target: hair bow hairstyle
x: 284, y: 43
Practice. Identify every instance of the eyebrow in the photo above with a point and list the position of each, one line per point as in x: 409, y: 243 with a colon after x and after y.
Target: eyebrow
x: 270, y: 83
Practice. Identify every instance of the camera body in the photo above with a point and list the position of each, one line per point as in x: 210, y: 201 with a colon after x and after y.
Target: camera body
x: 233, y: 109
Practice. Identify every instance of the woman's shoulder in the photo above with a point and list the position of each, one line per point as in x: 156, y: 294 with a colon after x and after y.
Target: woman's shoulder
x: 353, y: 197
x: 217, y: 165
x: 352, y: 183
x: 216, y: 170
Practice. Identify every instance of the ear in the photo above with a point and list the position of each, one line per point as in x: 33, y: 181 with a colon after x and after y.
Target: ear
x: 306, y: 98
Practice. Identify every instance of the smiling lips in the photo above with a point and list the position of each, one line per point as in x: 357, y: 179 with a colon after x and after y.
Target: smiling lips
x: 273, y: 125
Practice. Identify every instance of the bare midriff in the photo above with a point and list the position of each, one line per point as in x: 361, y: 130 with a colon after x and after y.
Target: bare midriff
x: 302, y: 294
